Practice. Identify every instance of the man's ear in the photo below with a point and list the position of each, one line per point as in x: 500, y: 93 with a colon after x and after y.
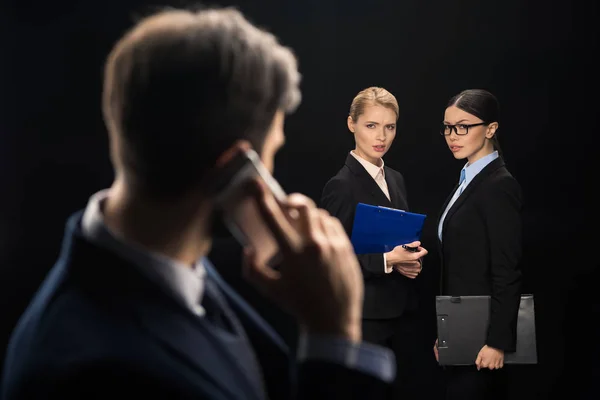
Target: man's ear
x: 227, y: 155
x: 217, y: 177
x: 350, y: 124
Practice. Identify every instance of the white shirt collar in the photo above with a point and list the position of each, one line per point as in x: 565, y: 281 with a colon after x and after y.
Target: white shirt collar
x: 184, y: 282
x: 372, y: 169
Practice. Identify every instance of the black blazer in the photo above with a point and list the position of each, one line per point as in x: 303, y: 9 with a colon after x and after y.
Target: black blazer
x: 481, y: 248
x: 386, y: 295
x: 98, y: 329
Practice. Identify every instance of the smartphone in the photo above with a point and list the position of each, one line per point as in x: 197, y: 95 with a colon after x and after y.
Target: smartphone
x: 239, y: 207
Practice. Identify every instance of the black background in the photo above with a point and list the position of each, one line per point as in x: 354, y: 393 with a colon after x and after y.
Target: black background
x: 536, y: 56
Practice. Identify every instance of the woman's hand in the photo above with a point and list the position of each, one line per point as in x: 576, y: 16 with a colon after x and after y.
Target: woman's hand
x: 490, y: 357
x: 408, y: 263
x: 410, y: 269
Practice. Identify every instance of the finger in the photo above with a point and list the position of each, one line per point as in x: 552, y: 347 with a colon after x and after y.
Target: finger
x: 408, y: 274
x: 410, y: 269
x: 325, y: 237
x: 414, y: 265
x: 263, y: 277
x: 274, y: 217
x: 408, y: 263
x: 416, y: 243
x: 329, y: 227
x: 303, y: 220
x: 319, y: 225
x: 341, y: 234
x: 478, y: 362
x: 295, y: 201
x: 340, y: 240
x: 298, y: 199
x: 415, y: 256
x: 421, y: 253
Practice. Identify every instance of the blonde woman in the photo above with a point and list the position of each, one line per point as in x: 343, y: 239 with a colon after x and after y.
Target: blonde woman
x: 390, y: 299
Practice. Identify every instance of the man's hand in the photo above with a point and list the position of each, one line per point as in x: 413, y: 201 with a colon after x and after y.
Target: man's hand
x: 319, y: 280
x: 490, y: 357
x: 435, y: 351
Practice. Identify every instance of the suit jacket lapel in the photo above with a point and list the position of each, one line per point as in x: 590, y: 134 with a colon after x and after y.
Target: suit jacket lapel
x: 441, y: 212
x: 481, y: 176
x: 368, y: 183
x: 270, y: 349
x: 240, y: 305
x: 193, y: 341
x: 187, y: 336
x: 397, y: 197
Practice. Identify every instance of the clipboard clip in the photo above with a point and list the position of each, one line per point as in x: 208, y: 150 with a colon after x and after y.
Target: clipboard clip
x: 455, y: 299
x: 442, y: 328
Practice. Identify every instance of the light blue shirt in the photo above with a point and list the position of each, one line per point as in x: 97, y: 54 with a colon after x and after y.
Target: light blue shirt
x: 186, y: 285
x: 467, y: 174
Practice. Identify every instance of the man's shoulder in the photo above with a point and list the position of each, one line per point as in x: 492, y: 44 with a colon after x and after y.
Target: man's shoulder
x: 57, y: 330
x: 70, y: 335
x: 60, y: 319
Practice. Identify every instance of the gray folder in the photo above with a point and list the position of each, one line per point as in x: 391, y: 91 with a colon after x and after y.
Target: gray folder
x: 462, y: 324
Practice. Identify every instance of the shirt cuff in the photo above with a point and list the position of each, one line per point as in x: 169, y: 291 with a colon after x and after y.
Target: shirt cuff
x: 387, y: 269
x: 367, y: 358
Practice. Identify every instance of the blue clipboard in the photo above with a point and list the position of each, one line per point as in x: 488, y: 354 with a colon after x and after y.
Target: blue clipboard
x: 380, y: 229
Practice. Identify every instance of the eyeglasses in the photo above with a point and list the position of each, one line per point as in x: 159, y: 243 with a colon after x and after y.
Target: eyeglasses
x: 460, y: 129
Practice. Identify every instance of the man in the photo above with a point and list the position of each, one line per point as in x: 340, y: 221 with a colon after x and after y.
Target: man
x: 132, y: 307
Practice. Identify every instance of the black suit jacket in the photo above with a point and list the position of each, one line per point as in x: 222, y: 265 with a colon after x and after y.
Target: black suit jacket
x: 386, y: 295
x: 481, y: 248
x: 98, y: 329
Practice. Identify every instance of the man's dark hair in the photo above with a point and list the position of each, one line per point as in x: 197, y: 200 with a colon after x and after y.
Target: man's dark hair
x: 181, y: 87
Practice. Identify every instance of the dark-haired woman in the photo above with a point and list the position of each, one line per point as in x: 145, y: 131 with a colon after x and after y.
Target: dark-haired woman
x: 479, y: 233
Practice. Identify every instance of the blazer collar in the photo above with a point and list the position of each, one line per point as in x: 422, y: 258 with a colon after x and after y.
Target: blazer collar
x: 99, y: 271
x: 480, y: 177
x: 371, y: 187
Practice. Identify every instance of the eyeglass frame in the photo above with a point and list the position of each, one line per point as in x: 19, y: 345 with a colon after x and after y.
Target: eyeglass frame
x: 455, y: 129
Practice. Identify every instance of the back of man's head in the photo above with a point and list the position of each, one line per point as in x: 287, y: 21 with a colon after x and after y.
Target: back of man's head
x: 181, y: 87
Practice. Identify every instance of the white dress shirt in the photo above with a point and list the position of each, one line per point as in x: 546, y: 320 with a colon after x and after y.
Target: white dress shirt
x: 378, y: 175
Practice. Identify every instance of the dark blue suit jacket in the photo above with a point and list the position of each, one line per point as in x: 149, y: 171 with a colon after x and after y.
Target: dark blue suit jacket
x: 97, y: 328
